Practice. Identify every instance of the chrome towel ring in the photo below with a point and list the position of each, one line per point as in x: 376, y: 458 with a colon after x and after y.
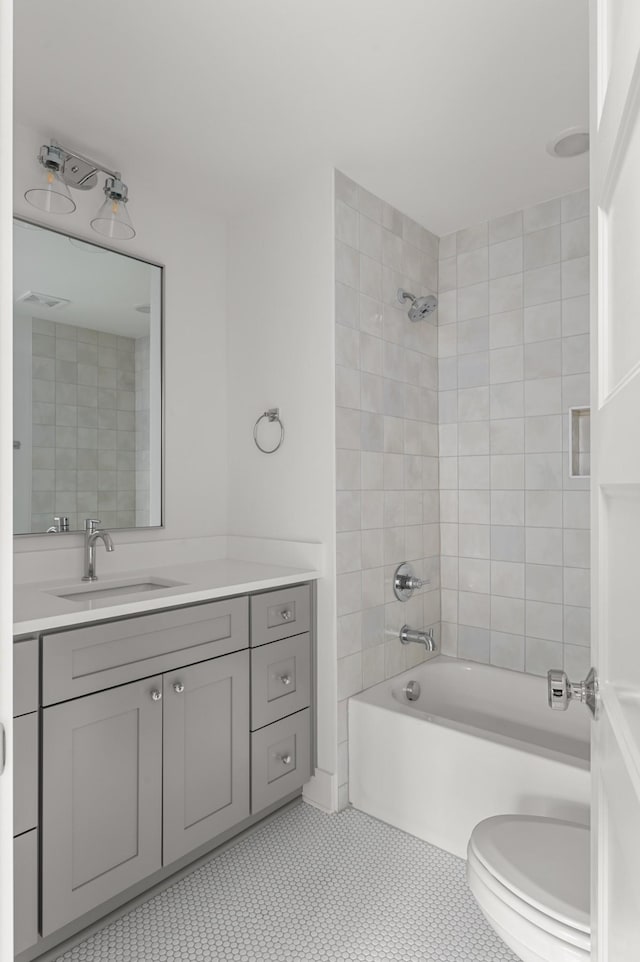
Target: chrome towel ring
x: 273, y: 414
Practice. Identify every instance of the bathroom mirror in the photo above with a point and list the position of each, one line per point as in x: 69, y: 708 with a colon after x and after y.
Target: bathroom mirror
x: 87, y: 384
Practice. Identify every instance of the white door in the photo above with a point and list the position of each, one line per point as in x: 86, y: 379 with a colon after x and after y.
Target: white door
x: 615, y: 212
x: 6, y: 472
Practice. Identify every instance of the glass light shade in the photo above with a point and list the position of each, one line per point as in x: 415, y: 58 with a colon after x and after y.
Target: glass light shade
x: 112, y: 220
x: 51, y: 195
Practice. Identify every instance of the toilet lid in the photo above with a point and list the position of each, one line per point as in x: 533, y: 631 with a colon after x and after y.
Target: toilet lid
x: 543, y: 861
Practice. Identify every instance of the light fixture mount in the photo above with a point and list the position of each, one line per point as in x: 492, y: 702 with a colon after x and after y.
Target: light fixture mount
x: 78, y: 171
x: 115, y: 189
x: 79, y: 174
x: 52, y: 157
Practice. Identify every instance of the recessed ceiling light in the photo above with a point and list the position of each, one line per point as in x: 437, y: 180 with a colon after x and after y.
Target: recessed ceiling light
x: 569, y: 143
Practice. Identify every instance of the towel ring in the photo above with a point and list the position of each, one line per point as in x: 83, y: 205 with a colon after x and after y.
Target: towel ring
x: 273, y: 414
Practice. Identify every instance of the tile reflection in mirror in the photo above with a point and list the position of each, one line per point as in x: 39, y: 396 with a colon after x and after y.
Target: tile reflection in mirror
x: 87, y: 384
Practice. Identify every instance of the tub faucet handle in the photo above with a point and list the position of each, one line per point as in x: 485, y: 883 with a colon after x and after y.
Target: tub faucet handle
x: 412, y: 583
x: 405, y: 581
x: 561, y: 691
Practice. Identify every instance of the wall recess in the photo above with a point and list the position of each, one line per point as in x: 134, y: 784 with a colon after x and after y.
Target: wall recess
x: 580, y: 442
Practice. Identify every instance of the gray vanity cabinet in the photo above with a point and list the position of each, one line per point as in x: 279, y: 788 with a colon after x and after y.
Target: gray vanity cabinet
x: 102, y: 798
x: 25, y: 890
x: 25, y: 793
x: 137, y: 776
x: 160, y: 734
x: 206, y: 752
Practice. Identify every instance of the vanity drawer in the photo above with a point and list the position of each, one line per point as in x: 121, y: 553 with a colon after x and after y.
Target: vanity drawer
x: 96, y: 657
x: 280, y: 679
x: 25, y: 890
x: 280, y: 614
x: 25, y: 676
x: 25, y: 773
x: 280, y: 759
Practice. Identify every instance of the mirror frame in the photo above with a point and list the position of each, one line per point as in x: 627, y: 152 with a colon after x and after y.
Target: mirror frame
x: 163, y: 422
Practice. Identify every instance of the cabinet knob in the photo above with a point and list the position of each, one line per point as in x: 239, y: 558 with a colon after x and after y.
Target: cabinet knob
x: 286, y: 679
x: 287, y: 614
x: 178, y: 687
x: 285, y: 759
x: 156, y: 695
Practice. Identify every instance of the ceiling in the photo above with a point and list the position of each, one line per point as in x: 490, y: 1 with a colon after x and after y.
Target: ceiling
x: 441, y: 107
x: 102, y: 288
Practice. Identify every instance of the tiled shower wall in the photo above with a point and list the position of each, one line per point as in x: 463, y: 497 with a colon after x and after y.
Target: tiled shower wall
x: 84, y: 429
x: 143, y: 433
x: 387, y: 445
x: 513, y: 358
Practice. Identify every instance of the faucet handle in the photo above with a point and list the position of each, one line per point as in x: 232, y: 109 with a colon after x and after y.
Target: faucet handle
x: 91, y: 524
x: 405, y: 581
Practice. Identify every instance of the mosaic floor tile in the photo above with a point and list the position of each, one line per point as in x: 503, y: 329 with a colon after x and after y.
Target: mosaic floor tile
x: 309, y: 887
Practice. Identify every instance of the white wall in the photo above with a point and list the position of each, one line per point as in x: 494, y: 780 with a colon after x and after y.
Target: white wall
x: 268, y: 342
x: 280, y: 350
x: 176, y: 232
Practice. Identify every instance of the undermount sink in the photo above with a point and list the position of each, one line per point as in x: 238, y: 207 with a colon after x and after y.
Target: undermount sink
x: 114, y: 589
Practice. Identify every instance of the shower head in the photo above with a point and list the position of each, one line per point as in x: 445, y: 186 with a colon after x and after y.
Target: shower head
x: 420, y: 306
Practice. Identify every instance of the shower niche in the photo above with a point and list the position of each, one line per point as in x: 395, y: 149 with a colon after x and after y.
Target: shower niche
x: 580, y: 442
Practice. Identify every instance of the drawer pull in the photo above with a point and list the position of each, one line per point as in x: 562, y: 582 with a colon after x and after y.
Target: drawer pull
x: 285, y: 759
x: 286, y: 679
x: 287, y: 614
x: 178, y: 687
x: 156, y: 695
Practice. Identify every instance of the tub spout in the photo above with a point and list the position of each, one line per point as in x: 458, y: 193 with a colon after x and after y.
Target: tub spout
x: 425, y: 638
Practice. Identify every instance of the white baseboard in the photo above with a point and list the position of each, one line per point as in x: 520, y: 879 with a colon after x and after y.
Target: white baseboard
x: 321, y: 791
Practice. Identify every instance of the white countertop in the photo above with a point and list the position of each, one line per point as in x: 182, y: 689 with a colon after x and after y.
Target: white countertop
x: 37, y: 607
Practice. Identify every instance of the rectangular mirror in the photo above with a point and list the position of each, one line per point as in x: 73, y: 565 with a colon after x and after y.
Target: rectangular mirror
x: 87, y: 384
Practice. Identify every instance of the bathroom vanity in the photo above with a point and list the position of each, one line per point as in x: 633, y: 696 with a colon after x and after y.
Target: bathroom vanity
x: 150, y: 730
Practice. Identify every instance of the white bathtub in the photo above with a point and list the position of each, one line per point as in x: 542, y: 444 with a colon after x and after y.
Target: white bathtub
x: 479, y: 741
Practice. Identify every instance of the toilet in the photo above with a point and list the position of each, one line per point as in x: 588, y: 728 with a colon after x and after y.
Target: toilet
x: 530, y: 876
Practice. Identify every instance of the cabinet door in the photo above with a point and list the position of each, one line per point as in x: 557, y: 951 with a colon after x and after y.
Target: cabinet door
x: 206, y: 752
x: 25, y: 773
x: 25, y: 890
x: 102, y: 792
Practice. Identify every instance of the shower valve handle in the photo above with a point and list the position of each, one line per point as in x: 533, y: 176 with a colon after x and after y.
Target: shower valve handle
x: 405, y: 581
x: 409, y: 583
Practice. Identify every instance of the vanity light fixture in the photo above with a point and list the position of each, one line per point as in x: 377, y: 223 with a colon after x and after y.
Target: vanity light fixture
x: 113, y: 219
x: 51, y: 194
x: 65, y: 168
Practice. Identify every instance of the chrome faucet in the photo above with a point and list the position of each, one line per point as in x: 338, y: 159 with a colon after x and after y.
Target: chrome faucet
x: 61, y: 523
x: 405, y: 581
x: 91, y: 534
x: 425, y: 638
